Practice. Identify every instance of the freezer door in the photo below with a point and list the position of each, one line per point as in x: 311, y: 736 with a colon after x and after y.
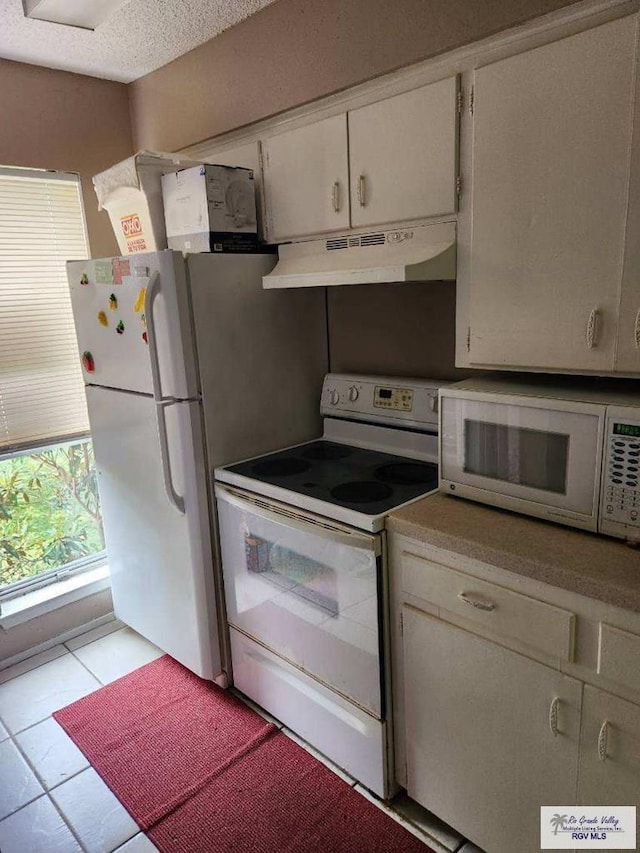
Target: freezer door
x: 158, y: 544
x: 115, y: 319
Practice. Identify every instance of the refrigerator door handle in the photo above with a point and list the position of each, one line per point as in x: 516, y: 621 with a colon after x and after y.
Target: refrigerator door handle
x: 174, y: 498
x: 153, y: 289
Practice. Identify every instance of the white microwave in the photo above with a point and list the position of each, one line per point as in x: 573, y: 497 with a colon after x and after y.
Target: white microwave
x: 565, y: 453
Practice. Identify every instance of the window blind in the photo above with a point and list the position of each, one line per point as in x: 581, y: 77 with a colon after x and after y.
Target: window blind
x: 41, y: 388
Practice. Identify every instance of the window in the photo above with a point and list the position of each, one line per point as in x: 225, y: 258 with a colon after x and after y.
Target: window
x: 49, y: 510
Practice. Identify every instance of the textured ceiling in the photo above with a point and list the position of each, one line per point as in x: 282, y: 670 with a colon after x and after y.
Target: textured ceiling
x: 140, y: 36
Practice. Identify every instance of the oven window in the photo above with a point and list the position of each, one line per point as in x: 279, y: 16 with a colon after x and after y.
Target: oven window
x: 306, y: 591
x: 301, y: 576
x: 526, y: 457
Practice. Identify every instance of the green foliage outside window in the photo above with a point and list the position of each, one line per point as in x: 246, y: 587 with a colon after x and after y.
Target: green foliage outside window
x: 49, y: 511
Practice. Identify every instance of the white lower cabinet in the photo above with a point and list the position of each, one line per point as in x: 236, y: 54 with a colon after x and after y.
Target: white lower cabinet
x: 490, y: 734
x: 609, y: 771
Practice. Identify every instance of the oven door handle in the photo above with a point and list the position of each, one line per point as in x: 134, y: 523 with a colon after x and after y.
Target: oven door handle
x: 322, y: 530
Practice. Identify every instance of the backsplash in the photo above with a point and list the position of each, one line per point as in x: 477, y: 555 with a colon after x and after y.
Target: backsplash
x: 394, y: 330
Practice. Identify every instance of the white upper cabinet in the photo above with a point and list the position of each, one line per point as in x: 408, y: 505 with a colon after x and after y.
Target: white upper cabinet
x: 403, y: 156
x: 628, y: 350
x: 552, y: 132
x: 306, y: 180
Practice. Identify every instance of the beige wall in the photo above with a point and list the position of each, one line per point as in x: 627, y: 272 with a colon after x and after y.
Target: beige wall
x: 296, y: 51
x: 56, y: 120
x: 41, y: 630
x: 394, y: 330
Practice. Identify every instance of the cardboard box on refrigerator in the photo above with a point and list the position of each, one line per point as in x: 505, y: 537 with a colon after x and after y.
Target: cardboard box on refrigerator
x: 131, y: 193
x: 211, y: 208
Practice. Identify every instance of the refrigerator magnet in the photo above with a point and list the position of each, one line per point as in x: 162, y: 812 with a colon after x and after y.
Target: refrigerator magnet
x: 120, y: 328
x: 143, y: 320
x: 87, y: 362
x: 145, y: 337
x: 138, y: 305
x: 103, y: 272
x: 84, y: 278
x: 102, y: 318
x: 113, y: 302
x: 116, y: 271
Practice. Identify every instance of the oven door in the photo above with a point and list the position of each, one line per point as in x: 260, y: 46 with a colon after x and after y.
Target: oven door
x: 306, y: 588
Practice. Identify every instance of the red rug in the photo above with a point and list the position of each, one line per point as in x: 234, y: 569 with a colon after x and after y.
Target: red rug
x: 201, y: 772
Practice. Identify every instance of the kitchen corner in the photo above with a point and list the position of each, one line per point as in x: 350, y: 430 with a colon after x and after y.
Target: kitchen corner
x: 509, y: 630
x: 374, y: 338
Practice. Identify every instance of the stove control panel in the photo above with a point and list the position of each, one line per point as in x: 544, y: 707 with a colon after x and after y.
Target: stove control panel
x: 381, y: 399
x: 393, y: 398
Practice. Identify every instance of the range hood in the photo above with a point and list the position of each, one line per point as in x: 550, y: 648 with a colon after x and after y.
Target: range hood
x: 421, y: 253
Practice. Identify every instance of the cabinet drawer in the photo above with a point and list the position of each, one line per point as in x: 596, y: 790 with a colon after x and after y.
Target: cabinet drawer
x: 619, y: 655
x: 510, y: 614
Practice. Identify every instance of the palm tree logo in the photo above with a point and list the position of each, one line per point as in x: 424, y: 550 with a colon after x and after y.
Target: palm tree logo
x: 558, y: 822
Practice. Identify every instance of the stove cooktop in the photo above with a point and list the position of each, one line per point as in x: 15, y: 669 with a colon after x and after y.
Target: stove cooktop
x: 367, y: 481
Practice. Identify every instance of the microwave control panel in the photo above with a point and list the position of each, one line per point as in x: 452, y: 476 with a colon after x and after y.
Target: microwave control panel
x: 621, y: 470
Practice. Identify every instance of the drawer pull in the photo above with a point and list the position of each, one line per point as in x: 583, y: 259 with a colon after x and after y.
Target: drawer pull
x: 553, y: 715
x: 486, y: 606
x: 602, y: 741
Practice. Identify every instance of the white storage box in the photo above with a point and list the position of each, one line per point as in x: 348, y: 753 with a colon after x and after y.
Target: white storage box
x: 131, y: 193
x: 211, y: 209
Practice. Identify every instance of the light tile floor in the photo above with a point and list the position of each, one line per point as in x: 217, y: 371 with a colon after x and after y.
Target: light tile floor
x: 52, y: 801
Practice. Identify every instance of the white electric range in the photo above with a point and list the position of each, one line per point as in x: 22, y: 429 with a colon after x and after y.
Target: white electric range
x: 303, y: 553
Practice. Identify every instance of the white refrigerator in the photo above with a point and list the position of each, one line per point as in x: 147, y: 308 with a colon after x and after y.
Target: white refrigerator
x: 188, y: 364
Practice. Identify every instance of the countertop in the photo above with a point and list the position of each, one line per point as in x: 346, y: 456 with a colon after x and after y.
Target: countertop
x: 596, y: 566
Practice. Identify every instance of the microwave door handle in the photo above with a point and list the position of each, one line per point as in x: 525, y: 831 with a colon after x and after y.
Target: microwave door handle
x: 349, y: 540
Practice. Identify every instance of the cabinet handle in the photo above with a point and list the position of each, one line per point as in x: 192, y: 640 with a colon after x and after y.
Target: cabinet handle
x: 487, y: 606
x: 553, y: 715
x: 592, y: 329
x: 361, y: 192
x: 335, y: 196
x: 602, y: 740
x: 636, y: 331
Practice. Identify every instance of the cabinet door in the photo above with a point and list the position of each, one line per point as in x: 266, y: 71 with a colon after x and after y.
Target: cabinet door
x: 480, y: 722
x: 551, y: 136
x: 628, y: 351
x: 403, y: 156
x: 609, y: 751
x: 306, y: 180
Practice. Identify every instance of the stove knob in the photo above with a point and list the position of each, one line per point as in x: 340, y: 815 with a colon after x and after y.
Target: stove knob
x: 353, y: 393
x: 334, y: 397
